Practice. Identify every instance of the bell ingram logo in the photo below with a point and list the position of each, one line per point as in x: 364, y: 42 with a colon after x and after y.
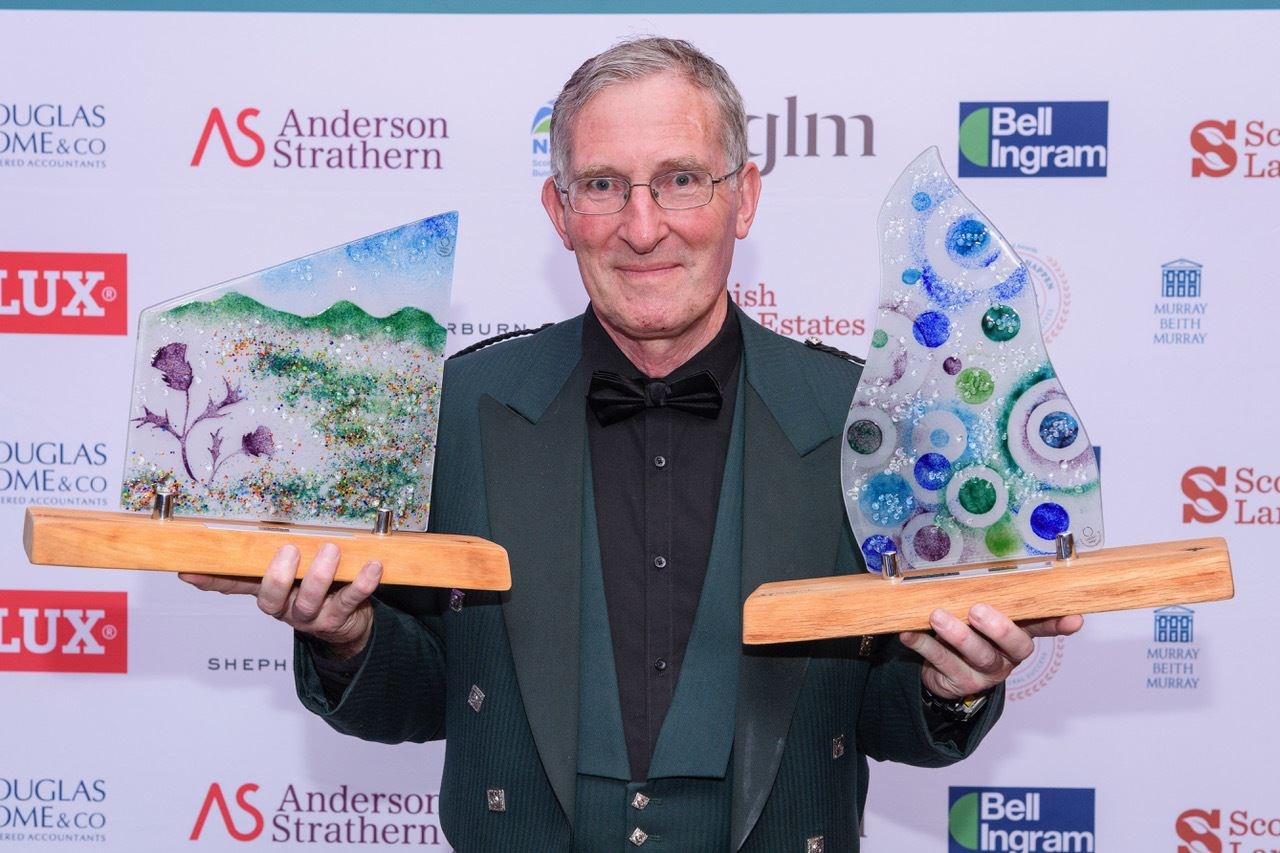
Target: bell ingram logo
x: 341, y: 141
x: 1019, y: 820
x: 1245, y: 832
x: 63, y: 293
x: 1033, y: 139
x: 1218, y: 148
x: 540, y: 135
x: 1206, y: 490
x: 48, y: 809
x: 52, y: 136
x: 334, y: 817
x: 48, y: 631
x: 811, y: 135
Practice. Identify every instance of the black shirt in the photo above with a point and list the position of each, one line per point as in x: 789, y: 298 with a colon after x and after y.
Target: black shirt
x: 657, y: 481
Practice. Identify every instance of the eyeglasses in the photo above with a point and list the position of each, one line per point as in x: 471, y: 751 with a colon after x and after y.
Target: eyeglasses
x: 682, y: 189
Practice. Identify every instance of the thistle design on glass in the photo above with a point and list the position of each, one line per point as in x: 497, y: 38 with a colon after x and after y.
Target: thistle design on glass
x: 961, y: 447
x: 308, y: 392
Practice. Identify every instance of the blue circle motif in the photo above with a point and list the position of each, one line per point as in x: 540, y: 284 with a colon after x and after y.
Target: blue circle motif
x: 1059, y: 430
x: 1048, y: 520
x: 910, y: 275
x: 939, y: 437
x: 933, y: 470
x: 921, y: 201
x: 1011, y: 286
x: 932, y: 328
x: 887, y: 500
x: 966, y: 240
x: 873, y: 547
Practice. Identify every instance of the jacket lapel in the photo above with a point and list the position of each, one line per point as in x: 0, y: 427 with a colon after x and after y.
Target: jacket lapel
x: 791, y: 526
x: 533, y: 461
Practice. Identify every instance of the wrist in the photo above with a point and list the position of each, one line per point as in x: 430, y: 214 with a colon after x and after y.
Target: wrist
x: 961, y: 710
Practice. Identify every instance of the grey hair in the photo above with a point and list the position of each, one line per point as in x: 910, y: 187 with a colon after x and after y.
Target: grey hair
x: 638, y: 58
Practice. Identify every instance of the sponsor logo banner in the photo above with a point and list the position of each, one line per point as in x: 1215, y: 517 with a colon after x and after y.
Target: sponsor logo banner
x: 52, y: 810
x: 1033, y: 139
x: 540, y: 140
x: 813, y: 134
x: 53, y: 473
x: 61, y: 631
x: 760, y: 302
x: 1021, y: 819
x: 1218, y: 831
x: 52, y: 136
x: 1243, y: 148
x: 342, y: 140
x: 295, y: 815
x: 1181, y: 312
x: 1255, y: 496
x: 63, y: 293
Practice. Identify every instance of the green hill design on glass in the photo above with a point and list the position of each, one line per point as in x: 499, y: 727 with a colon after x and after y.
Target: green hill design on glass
x: 961, y: 445
x: 308, y: 392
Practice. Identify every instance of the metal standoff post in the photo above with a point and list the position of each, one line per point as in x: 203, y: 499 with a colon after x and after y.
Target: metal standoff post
x: 889, y: 566
x: 1066, y: 545
x: 162, y: 507
x: 382, y: 522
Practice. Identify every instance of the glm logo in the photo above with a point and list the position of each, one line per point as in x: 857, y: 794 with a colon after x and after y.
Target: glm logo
x: 1017, y: 820
x: 1033, y: 139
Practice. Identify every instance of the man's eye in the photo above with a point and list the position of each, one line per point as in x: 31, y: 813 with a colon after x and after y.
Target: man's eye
x: 683, y: 179
x: 600, y: 185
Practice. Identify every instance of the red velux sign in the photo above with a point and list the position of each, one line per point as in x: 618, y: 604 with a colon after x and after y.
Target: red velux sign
x: 59, y: 631
x: 63, y: 293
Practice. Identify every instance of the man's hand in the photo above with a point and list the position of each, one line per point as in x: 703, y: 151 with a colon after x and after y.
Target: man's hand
x: 341, y: 616
x: 963, y: 660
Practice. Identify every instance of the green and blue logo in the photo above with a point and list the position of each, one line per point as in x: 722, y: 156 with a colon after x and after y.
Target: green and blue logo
x: 1021, y: 820
x: 1033, y: 139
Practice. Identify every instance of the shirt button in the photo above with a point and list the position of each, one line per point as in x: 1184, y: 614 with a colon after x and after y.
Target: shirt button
x: 660, y: 664
x: 659, y: 562
x: 660, y: 462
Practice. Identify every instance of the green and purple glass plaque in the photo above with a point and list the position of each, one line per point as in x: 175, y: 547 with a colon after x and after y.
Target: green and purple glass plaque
x: 308, y: 392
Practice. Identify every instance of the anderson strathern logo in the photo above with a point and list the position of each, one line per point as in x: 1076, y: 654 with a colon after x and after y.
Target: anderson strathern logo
x: 339, y: 141
x: 300, y: 816
x: 1033, y: 139
x: 1015, y: 820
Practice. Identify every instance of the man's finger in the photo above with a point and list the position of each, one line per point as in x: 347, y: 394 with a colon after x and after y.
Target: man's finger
x: 1011, y: 641
x: 221, y: 583
x: 316, y: 584
x: 277, y: 583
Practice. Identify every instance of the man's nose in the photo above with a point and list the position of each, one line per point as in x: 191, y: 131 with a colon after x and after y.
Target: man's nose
x: 644, y: 223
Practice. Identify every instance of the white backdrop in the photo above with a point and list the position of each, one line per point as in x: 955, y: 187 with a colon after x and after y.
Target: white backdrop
x: 127, y: 760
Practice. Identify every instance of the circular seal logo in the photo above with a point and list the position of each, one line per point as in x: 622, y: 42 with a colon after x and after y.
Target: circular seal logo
x: 1036, y: 671
x: 1052, y: 294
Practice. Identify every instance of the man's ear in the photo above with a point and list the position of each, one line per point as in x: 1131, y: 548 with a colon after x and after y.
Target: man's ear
x: 553, y: 202
x: 749, y: 187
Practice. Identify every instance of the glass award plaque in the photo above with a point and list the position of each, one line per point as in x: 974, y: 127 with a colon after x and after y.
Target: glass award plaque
x: 964, y: 464
x: 302, y: 399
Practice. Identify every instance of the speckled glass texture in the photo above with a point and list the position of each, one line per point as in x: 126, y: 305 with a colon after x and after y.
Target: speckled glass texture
x: 961, y: 446
x: 308, y: 392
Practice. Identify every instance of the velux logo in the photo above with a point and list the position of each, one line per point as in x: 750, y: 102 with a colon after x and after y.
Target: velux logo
x: 58, y: 631
x: 63, y: 293
x: 257, y: 147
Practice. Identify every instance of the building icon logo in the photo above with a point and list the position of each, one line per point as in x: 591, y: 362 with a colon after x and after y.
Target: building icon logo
x: 1180, y: 279
x: 1175, y: 624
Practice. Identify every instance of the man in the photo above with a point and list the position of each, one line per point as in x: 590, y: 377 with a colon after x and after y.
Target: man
x: 646, y: 465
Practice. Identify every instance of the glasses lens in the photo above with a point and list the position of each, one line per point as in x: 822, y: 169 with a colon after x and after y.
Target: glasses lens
x: 598, y: 195
x: 683, y: 190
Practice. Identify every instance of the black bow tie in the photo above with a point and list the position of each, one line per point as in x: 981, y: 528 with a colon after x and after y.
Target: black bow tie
x: 615, y: 398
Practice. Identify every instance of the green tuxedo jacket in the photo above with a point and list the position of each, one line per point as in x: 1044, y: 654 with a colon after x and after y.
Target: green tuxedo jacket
x: 498, y: 674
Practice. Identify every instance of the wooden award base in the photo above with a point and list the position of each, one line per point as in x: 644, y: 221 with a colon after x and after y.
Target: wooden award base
x: 124, y: 540
x: 1185, y: 572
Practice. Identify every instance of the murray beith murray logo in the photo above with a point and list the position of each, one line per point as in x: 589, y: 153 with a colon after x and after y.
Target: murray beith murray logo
x: 1033, y: 139
x: 1021, y: 820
